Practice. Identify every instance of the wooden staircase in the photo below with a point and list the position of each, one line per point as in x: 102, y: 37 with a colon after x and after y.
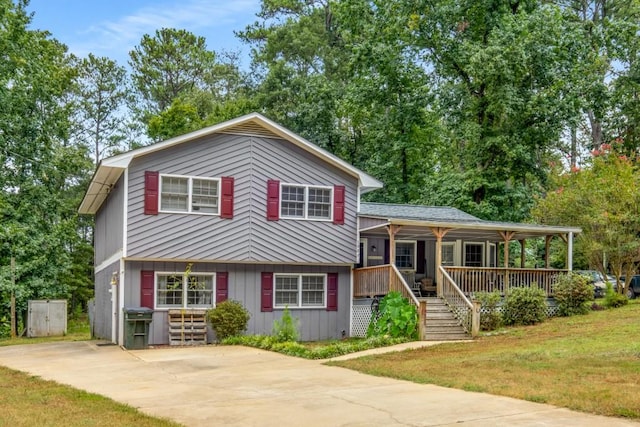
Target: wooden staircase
x: 441, y: 324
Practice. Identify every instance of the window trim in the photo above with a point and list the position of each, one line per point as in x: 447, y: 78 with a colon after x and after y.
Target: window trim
x: 299, y: 306
x: 415, y: 255
x: 190, y: 179
x: 306, y: 202
x: 482, y: 256
x: 185, y: 291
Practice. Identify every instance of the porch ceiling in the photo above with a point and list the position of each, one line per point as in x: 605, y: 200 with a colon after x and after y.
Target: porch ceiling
x: 465, y: 230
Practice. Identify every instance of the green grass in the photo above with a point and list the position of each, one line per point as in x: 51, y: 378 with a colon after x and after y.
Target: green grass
x: 29, y: 401
x: 589, y: 363
x: 77, y: 330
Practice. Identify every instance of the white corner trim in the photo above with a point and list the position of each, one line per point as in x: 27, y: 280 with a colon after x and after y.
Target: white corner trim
x: 107, y: 262
x: 125, y: 211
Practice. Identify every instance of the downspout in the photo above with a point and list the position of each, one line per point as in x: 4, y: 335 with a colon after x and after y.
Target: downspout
x: 125, y: 214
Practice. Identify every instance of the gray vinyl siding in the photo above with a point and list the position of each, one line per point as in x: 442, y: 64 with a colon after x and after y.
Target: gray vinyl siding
x: 248, y: 237
x: 101, y: 327
x: 109, y: 223
x: 366, y: 222
x: 244, y: 283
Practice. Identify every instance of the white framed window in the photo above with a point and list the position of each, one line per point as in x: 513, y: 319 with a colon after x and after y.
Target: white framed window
x: 300, y: 290
x: 306, y: 202
x: 448, y: 253
x: 189, y: 194
x: 406, y: 254
x: 179, y: 290
x: 474, y: 254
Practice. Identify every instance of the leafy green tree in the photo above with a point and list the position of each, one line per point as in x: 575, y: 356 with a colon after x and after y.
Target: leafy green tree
x: 101, y: 95
x: 604, y: 34
x: 42, y: 173
x: 603, y: 200
x: 174, y: 74
x: 501, y: 72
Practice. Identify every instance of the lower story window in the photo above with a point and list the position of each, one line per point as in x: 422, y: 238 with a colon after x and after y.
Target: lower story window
x: 300, y: 290
x: 177, y: 290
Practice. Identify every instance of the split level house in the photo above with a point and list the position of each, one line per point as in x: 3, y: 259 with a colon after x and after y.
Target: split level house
x: 249, y: 211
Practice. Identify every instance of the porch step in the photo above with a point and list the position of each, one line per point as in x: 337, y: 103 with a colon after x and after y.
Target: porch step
x: 441, y: 324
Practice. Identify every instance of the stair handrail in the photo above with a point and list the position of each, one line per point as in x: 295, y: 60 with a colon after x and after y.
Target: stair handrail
x: 467, y: 312
x: 408, y: 292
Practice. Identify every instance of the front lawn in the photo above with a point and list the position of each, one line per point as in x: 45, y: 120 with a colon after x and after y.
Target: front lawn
x: 589, y: 363
x: 29, y: 401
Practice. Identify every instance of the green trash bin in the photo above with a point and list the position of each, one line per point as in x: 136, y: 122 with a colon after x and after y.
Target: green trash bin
x: 136, y: 327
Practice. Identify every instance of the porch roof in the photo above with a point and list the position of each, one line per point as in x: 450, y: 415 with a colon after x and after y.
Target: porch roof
x: 416, y: 221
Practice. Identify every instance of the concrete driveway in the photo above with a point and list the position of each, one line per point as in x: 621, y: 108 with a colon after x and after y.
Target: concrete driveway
x: 238, y: 386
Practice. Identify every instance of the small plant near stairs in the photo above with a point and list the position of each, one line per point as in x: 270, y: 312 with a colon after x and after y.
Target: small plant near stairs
x: 396, y: 317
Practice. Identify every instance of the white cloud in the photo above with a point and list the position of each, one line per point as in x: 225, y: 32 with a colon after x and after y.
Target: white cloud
x: 211, y: 18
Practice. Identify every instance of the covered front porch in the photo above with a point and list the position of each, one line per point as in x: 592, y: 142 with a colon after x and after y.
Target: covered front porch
x: 443, y: 252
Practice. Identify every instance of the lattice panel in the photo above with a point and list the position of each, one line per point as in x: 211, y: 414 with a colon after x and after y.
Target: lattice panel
x: 361, y: 318
x: 552, y: 309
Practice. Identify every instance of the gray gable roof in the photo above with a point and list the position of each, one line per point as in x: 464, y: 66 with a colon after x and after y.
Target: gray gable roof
x: 415, y: 212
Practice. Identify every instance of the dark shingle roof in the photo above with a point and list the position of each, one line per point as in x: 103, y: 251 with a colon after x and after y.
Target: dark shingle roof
x: 415, y: 212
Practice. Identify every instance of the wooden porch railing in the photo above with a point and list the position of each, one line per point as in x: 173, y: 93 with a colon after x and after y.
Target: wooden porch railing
x: 467, y: 312
x: 382, y: 279
x: 478, y: 279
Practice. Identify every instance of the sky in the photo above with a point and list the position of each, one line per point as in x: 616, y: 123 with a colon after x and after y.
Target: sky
x: 112, y: 28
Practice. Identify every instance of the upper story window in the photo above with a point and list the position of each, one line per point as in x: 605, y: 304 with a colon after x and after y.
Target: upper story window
x: 406, y: 255
x: 306, y: 202
x: 189, y: 194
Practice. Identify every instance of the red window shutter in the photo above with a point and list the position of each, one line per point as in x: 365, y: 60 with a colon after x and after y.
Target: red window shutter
x: 222, y: 287
x: 338, y: 204
x: 226, y: 208
x: 332, y: 292
x: 147, y: 279
x: 273, y: 200
x: 266, y: 292
x: 151, y: 192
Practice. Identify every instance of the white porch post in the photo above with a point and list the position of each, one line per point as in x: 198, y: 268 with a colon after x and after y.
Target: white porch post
x: 506, y: 237
x: 570, y: 251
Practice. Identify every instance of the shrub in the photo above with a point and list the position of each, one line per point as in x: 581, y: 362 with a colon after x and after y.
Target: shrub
x: 572, y: 293
x: 524, y: 306
x: 612, y: 299
x: 228, y: 319
x: 286, y: 329
x: 331, y: 349
x: 396, y: 318
x: 490, y: 317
